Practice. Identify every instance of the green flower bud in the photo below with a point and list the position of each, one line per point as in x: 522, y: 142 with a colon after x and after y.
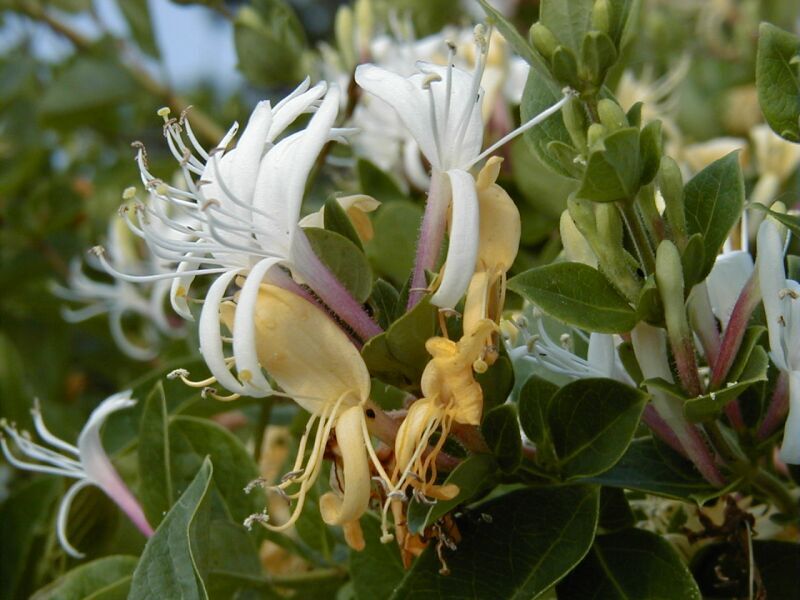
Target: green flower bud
x: 670, y: 184
x: 611, y: 114
x: 575, y: 121
x: 543, y: 40
x: 343, y: 28
x: 601, y: 16
x: 595, y: 134
x: 564, y: 66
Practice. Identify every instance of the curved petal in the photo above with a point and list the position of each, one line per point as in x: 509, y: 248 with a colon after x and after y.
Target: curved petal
x: 291, y: 108
x: 356, y: 485
x: 63, y: 515
x: 790, y: 448
x: 726, y: 281
x: 462, y: 251
x: 602, y: 354
x: 210, y: 336
x: 248, y: 368
x: 179, y: 289
x: 772, y: 281
x: 132, y: 350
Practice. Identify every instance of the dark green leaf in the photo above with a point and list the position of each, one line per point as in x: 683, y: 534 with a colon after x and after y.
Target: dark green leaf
x: 620, y: 11
x: 89, y: 84
x: 497, y: 382
x: 693, y: 261
x: 157, y: 495
x: 643, y: 469
x: 501, y: 430
x: 391, y: 250
x: 650, y: 151
x: 534, y: 403
x: 137, y: 14
x: 377, y: 183
x: 169, y: 566
x: 105, y: 578
x: 384, y: 300
x: 564, y: 66
x: 630, y: 565
x: 591, y: 423
x: 778, y: 80
x: 377, y: 569
x: 336, y: 220
x: 472, y: 476
x: 615, y: 512
x: 344, y: 260
x: 614, y: 171
x: 792, y: 222
x: 598, y: 54
x: 576, y: 294
x: 522, y: 543
x: 713, y: 199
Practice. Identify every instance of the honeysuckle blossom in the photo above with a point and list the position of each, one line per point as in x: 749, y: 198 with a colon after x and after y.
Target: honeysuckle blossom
x: 120, y: 299
x: 315, y: 363
x: 440, y: 106
x: 241, y: 209
x: 776, y: 160
x: 86, y: 462
x: 781, y: 298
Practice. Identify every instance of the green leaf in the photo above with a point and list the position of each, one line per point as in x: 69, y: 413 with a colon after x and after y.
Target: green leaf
x: 614, y: 171
x: 398, y: 355
x: 713, y: 199
x: 615, y: 512
x: 693, y: 261
x: 497, y: 382
x: 540, y: 93
x: 156, y: 495
x: 168, y: 567
x: 650, y: 151
x: 564, y: 66
x: 391, y: 250
x: 137, y: 15
x: 778, y: 80
x: 87, y: 85
x: 649, y: 307
x: 630, y: 565
x: 792, y: 222
x: 576, y: 294
x: 336, y: 220
x: 24, y: 517
x: 709, y: 406
x: 270, y: 41
x: 592, y: 422
x: 524, y: 542
x: 377, y: 569
x: 598, y: 55
x: 108, y: 577
x: 344, y: 259
x: 378, y: 183
x: 501, y: 430
x: 619, y: 14
x: 534, y: 403
x: 642, y: 468
x: 384, y: 300
x: 472, y: 476
x: 569, y: 20
x: 192, y: 440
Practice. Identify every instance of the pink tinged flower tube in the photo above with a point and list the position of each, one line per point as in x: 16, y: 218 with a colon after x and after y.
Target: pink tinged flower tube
x: 87, y: 463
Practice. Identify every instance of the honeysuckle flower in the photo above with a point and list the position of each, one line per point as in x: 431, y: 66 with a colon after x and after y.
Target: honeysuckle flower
x: 781, y: 298
x: 120, y: 299
x: 87, y: 463
x: 776, y: 159
x: 241, y: 209
x: 315, y: 364
x: 499, y: 235
x: 440, y: 106
x: 450, y: 395
x: 731, y: 271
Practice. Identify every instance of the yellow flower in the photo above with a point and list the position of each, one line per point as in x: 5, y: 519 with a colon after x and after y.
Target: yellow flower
x: 315, y: 363
x: 499, y: 237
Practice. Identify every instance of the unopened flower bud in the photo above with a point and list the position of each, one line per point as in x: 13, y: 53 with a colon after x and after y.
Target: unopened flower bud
x: 543, y: 40
x: 670, y: 183
x: 575, y: 122
x: 601, y: 16
x: 595, y: 134
x: 343, y: 28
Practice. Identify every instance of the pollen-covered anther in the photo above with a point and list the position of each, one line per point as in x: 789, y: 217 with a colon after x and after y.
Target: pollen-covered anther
x: 177, y: 373
x: 97, y: 250
x: 291, y: 475
x: 429, y: 79
x: 261, y: 517
x: 129, y: 193
x: 257, y: 482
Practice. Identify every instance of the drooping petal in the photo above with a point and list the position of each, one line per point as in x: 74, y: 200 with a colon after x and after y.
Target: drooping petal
x: 306, y: 352
x: 772, y: 281
x: 210, y: 335
x: 462, y: 251
x: 63, y: 516
x: 244, y: 332
x: 726, y: 281
x: 790, y: 448
x: 356, y: 484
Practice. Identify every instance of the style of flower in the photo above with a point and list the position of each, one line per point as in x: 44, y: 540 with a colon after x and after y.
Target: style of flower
x: 120, y: 299
x: 781, y: 298
x: 441, y: 108
x: 87, y: 463
x: 240, y: 211
x: 316, y: 364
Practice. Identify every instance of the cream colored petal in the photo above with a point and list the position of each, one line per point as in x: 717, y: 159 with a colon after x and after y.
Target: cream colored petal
x: 499, y: 230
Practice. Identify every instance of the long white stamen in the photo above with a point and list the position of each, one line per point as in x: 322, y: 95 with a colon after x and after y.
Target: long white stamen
x: 44, y: 432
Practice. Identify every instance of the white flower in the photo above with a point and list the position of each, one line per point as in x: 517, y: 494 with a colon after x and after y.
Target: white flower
x: 781, y: 298
x: 87, y: 463
x: 440, y: 106
x: 731, y: 271
x: 239, y: 214
x: 120, y: 299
